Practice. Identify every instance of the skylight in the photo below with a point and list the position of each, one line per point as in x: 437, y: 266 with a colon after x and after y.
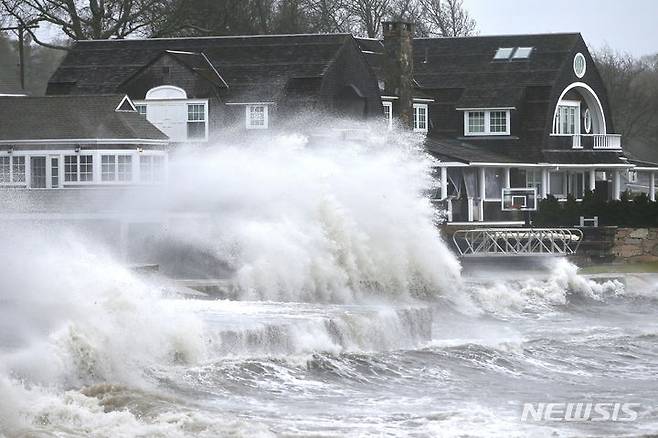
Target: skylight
x: 503, y: 53
x: 512, y: 53
x: 522, y: 53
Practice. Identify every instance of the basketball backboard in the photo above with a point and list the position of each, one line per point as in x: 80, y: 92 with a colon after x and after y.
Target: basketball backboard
x: 519, y: 199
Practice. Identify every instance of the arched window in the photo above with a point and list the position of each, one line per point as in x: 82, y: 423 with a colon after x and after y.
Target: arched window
x: 165, y: 92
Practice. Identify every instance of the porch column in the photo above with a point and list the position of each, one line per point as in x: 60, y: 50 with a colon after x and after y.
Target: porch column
x: 592, y: 179
x: 470, y: 209
x: 545, y: 181
x: 652, y: 186
x: 449, y: 210
x: 616, y: 194
x: 483, y: 189
x: 506, y: 180
x: 444, y: 183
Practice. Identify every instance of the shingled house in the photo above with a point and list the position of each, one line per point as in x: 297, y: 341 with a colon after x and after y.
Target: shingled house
x: 78, y: 141
x: 195, y: 88
x: 499, y: 111
x: 507, y: 111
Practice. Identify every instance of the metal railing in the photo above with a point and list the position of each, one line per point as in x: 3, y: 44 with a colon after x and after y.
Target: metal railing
x: 488, y: 242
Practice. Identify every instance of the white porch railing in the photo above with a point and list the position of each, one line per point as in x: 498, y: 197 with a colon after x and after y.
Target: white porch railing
x: 598, y: 141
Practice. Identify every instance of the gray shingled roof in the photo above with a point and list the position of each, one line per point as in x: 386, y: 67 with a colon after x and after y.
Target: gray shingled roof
x: 467, y: 63
x: 584, y: 157
x: 455, y: 150
x: 71, y: 117
x: 257, y: 65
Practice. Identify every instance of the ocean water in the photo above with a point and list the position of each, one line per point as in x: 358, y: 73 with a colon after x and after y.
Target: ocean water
x: 348, y: 316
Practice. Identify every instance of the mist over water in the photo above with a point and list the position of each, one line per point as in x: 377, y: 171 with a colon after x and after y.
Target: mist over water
x: 349, y: 315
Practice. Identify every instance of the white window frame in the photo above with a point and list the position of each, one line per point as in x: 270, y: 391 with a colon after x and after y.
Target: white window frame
x: 154, y: 177
x: 78, y: 168
x: 97, y: 169
x: 388, y: 118
x: 417, y: 108
x: 248, y: 120
x: 487, y: 122
x: 11, y: 181
x: 117, y: 180
x: 557, y: 126
x: 189, y: 103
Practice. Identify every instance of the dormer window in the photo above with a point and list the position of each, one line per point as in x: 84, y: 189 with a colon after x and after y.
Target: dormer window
x: 257, y: 117
x: 487, y: 122
x: 182, y: 119
x: 420, y: 117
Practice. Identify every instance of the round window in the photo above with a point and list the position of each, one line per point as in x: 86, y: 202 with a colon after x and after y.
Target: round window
x: 579, y: 65
x: 587, y: 121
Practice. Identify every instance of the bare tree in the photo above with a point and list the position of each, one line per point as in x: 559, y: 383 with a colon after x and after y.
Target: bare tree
x: 86, y: 19
x: 632, y: 86
x: 447, y: 18
x: 369, y: 15
x: 329, y: 16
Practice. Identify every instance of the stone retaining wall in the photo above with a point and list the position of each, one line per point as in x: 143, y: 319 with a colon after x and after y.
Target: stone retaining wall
x: 636, y: 244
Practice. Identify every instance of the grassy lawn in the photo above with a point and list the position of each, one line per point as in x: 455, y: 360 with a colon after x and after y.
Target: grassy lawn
x: 621, y: 268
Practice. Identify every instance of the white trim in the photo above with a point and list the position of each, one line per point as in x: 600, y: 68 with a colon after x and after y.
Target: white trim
x: 166, y: 87
x: 488, y: 223
x: 646, y: 169
x: 589, y: 89
x: 487, y: 108
x: 214, y: 69
x: 249, y: 103
x: 549, y: 165
x: 390, y: 97
x: 487, y: 123
x: 248, y: 121
x: 132, y: 105
x: 576, y: 57
x: 87, y: 141
x: 451, y: 164
x: 389, y: 119
x: 422, y: 99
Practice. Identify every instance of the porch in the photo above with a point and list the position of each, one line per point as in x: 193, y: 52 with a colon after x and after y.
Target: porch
x: 472, y: 194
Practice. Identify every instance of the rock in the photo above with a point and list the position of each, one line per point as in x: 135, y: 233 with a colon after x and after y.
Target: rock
x: 630, y: 251
x: 631, y: 241
x: 640, y: 233
x: 654, y: 251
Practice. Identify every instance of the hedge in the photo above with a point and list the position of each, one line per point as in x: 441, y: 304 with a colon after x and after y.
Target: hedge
x: 637, y: 211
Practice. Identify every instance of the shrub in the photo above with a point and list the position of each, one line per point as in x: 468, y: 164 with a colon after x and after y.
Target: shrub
x: 629, y: 211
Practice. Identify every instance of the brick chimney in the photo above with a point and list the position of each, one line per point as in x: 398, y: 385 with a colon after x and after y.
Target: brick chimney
x: 399, y: 66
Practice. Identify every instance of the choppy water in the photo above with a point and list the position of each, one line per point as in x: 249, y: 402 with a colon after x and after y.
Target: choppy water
x: 351, y: 319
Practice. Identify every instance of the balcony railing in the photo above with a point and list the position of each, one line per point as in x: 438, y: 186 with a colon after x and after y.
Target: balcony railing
x: 597, y: 141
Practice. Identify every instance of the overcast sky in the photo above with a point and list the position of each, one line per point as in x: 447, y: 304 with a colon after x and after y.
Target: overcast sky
x: 625, y: 25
